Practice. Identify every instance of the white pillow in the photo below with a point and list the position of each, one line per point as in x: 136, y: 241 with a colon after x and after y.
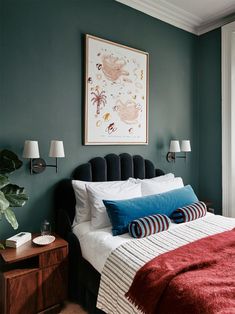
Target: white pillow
x: 163, y: 178
x: 151, y: 187
x: 115, y: 191
x: 82, y: 212
x: 82, y: 209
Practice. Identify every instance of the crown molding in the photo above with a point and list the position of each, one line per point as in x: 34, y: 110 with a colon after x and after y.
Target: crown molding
x: 178, y: 17
x: 207, y: 27
x: 166, y: 12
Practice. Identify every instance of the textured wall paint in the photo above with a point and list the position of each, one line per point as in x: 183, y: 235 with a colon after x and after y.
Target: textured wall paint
x: 209, y: 100
x: 42, y: 69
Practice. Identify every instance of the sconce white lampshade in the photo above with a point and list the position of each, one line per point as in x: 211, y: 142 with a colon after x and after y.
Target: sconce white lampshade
x: 185, y: 146
x: 31, y: 149
x: 174, y: 147
x: 57, y: 149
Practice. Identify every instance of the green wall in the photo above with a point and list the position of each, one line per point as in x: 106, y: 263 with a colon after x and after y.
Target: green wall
x: 42, y: 70
x: 209, y: 100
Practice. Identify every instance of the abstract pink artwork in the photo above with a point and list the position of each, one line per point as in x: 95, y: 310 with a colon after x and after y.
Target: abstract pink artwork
x: 116, y: 105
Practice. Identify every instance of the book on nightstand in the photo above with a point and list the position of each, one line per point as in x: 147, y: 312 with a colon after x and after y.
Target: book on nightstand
x: 18, y: 239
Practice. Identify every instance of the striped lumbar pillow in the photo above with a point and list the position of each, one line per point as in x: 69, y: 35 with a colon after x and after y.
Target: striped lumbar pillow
x: 190, y: 212
x: 145, y: 226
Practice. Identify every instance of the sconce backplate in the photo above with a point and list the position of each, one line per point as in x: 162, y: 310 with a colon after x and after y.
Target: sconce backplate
x: 170, y: 157
x: 38, y: 165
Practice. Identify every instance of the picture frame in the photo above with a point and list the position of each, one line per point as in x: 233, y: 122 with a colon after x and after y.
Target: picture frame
x: 116, y: 94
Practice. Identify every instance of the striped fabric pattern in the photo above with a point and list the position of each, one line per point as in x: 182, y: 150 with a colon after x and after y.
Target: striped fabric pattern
x: 123, y: 263
x: 145, y: 226
x: 190, y: 212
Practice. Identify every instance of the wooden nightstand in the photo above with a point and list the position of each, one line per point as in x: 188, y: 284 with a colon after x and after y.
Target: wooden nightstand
x: 33, y: 279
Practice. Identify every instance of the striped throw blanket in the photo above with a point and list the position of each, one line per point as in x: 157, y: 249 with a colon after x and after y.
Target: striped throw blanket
x: 123, y: 263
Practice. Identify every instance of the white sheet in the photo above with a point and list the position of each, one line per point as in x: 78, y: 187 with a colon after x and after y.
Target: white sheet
x: 96, y: 245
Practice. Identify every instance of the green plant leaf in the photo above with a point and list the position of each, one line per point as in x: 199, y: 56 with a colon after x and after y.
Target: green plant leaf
x: 15, y: 195
x: 9, y: 161
x: 11, y: 195
x: 4, y: 203
x: 2, y: 246
x: 3, y: 181
x: 11, y: 218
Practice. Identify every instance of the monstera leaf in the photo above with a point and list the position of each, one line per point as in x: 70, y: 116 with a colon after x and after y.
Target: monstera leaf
x: 9, y: 161
x: 11, y: 218
x: 4, y: 203
x: 15, y: 195
x: 7, y: 212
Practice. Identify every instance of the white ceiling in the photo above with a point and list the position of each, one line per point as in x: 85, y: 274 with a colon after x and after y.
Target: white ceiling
x: 195, y: 16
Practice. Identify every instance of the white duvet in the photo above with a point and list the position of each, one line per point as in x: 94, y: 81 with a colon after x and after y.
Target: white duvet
x: 96, y: 245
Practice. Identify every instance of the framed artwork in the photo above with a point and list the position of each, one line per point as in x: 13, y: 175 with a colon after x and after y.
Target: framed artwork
x: 116, y: 105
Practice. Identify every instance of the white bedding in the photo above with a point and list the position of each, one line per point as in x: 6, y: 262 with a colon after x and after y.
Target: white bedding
x: 96, y: 245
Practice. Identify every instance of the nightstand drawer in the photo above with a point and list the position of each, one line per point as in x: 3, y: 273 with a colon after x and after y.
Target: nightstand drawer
x: 54, y: 276
x: 53, y: 257
x: 22, y: 287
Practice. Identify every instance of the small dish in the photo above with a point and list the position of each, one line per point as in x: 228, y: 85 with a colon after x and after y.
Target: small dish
x: 44, y: 240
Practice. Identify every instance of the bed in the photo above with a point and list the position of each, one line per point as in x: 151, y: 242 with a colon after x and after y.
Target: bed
x: 83, y: 277
x: 119, y: 259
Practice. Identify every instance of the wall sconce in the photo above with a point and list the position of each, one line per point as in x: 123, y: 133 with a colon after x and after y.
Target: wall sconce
x: 175, y: 148
x: 37, y: 164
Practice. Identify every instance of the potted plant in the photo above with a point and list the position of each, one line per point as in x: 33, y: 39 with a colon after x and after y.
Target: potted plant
x: 11, y: 195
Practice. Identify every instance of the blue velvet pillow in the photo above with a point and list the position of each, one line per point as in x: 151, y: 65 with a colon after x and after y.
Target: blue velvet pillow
x: 122, y: 212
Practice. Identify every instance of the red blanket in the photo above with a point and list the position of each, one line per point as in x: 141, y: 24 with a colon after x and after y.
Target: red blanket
x: 196, y: 278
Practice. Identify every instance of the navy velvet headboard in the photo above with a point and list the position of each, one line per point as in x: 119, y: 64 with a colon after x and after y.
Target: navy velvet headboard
x: 109, y: 168
x: 83, y: 278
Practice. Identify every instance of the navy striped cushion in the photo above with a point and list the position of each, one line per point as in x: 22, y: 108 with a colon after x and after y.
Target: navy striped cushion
x: 145, y: 226
x: 190, y: 212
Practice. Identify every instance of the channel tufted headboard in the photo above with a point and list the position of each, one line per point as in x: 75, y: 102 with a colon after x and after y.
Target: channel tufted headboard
x: 83, y: 278
x: 109, y: 168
